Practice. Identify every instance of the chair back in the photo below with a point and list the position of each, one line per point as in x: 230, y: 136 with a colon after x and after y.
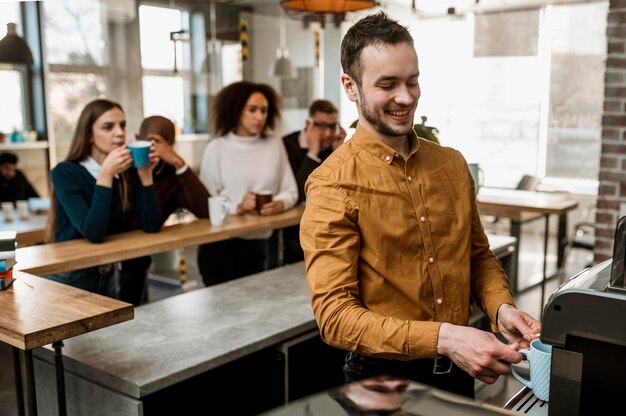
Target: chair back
x: 528, y: 183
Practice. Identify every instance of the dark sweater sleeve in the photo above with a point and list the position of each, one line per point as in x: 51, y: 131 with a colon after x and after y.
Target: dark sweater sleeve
x: 146, y: 203
x: 192, y: 194
x: 90, y: 217
x: 29, y: 191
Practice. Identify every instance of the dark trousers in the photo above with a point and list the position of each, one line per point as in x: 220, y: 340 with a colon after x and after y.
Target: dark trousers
x: 133, y: 276
x: 359, y: 367
x: 293, y: 250
x: 230, y: 259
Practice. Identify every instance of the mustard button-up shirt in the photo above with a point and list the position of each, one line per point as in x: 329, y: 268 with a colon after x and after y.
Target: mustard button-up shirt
x: 393, y: 248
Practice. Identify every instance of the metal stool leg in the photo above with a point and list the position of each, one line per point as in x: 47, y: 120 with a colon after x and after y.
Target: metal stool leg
x: 29, y: 374
x: 19, y: 386
x: 58, y: 362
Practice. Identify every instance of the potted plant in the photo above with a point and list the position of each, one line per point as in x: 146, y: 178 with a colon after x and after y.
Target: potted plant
x: 421, y: 129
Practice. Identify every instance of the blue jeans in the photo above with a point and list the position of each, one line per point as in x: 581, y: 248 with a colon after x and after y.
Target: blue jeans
x: 101, y: 280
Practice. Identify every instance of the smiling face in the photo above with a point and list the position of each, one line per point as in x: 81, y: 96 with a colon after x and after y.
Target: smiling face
x: 107, y: 133
x: 389, y: 90
x: 254, y: 115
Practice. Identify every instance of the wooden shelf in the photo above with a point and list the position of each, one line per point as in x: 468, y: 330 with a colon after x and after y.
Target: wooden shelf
x: 41, y: 144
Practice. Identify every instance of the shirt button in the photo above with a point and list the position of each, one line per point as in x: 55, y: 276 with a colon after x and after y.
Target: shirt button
x: 397, y: 155
x: 410, y: 178
x: 423, y: 219
x: 387, y: 158
x: 439, y: 301
x: 432, y: 260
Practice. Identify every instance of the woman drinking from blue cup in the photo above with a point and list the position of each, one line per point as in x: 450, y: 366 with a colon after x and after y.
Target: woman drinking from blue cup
x: 96, y: 192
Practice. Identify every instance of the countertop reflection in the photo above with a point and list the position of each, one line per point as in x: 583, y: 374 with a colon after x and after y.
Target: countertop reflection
x: 386, y: 395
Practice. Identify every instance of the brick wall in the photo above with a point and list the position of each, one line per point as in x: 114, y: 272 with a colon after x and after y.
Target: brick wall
x: 612, y: 191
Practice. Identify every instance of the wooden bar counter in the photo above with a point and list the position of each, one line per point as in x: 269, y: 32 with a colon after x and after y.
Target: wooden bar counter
x: 53, y: 258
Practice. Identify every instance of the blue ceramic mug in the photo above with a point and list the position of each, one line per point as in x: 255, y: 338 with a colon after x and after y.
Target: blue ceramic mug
x: 141, y: 153
x: 477, y: 174
x: 540, y: 361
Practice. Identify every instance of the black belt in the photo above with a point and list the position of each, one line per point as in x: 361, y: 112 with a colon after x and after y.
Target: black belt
x: 442, y: 365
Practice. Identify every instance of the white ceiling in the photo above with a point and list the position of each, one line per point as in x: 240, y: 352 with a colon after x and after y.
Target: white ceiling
x: 463, y: 6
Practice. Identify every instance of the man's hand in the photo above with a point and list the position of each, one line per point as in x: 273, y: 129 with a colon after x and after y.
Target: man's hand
x: 313, y: 138
x: 477, y: 352
x: 165, y: 151
x: 517, y: 326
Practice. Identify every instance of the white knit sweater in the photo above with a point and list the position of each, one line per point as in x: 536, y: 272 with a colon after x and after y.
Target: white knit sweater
x: 234, y: 165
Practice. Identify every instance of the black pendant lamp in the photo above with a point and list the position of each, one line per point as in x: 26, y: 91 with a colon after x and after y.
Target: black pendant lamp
x: 13, y: 49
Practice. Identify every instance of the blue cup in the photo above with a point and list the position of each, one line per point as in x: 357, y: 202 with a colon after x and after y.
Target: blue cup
x: 540, y: 361
x: 141, y: 153
x: 477, y: 174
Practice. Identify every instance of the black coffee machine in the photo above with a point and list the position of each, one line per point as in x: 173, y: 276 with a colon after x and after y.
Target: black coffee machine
x: 585, y: 322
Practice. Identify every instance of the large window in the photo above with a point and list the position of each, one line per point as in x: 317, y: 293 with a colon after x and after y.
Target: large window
x: 166, y: 65
x: 520, y: 92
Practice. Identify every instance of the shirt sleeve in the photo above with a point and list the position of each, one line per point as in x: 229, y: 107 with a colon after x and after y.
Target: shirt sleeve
x: 192, y: 194
x: 329, y: 234
x: 489, y: 283
x: 89, y: 217
x: 210, y: 174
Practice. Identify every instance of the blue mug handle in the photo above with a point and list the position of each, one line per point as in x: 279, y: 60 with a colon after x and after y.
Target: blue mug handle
x: 521, y: 379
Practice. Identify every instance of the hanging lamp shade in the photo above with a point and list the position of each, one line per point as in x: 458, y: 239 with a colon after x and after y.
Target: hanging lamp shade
x: 327, y: 6
x: 13, y: 49
x: 282, y: 66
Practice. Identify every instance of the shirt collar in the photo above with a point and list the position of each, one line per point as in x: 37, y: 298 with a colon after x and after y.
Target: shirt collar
x: 91, y: 165
x: 379, y: 149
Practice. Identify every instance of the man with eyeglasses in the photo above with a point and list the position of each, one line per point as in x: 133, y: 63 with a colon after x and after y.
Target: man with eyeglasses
x: 307, y: 149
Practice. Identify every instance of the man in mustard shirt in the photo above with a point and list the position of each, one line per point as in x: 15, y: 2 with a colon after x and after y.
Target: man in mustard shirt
x: 393, y: 243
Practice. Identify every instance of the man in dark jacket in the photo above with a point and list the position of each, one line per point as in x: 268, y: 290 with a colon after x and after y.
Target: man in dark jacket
x: 307, y: 149
x: 13, y: 184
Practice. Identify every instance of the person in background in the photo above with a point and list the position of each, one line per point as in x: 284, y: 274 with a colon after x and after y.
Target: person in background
x: 177, y: 186
x: 245, y: 158
x: 13, y: 183
x: 393, y: 242
x: 96, y: 192
x: 306, y: 150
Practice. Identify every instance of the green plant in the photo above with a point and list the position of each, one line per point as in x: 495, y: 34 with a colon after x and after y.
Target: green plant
x: 422, y: 130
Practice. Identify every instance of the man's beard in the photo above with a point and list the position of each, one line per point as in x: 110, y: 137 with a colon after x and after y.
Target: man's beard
x: 373, y: 116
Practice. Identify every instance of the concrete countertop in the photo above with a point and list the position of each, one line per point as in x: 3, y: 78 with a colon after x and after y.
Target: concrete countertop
x: 180, y: 337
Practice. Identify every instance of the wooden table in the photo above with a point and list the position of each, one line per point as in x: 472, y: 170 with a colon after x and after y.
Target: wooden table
x: 29, y: 231
x: 519, y: 206
x: 36, y: 312
x: 77, y: 254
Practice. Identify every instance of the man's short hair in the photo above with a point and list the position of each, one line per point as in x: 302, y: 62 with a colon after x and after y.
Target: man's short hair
x: 8, y: 158
x: 375, y: 29
x: 322, y: 106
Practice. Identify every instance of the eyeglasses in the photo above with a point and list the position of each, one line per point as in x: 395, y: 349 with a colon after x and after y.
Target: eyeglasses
x: 323, y: 126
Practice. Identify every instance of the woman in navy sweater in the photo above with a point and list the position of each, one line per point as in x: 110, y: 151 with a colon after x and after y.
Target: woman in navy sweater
x: 97, y: 192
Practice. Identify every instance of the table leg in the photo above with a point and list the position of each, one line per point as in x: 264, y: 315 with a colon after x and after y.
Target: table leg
x: 29, y: 374
x: 58, y: 362
x: 545, y: 261
x: 19, y: 386
x: 516, y: 231
x: 562, y: 240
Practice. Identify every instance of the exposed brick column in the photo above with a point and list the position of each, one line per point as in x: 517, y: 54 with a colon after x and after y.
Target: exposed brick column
x: 612, y: 191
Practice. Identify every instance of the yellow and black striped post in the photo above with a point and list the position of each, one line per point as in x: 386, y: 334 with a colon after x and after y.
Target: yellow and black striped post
x: 316, y: 36
x: 243, y: 39
x: 182, y: 269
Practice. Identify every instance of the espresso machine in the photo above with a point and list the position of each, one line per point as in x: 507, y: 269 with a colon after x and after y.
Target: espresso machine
x: 585, y: 322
